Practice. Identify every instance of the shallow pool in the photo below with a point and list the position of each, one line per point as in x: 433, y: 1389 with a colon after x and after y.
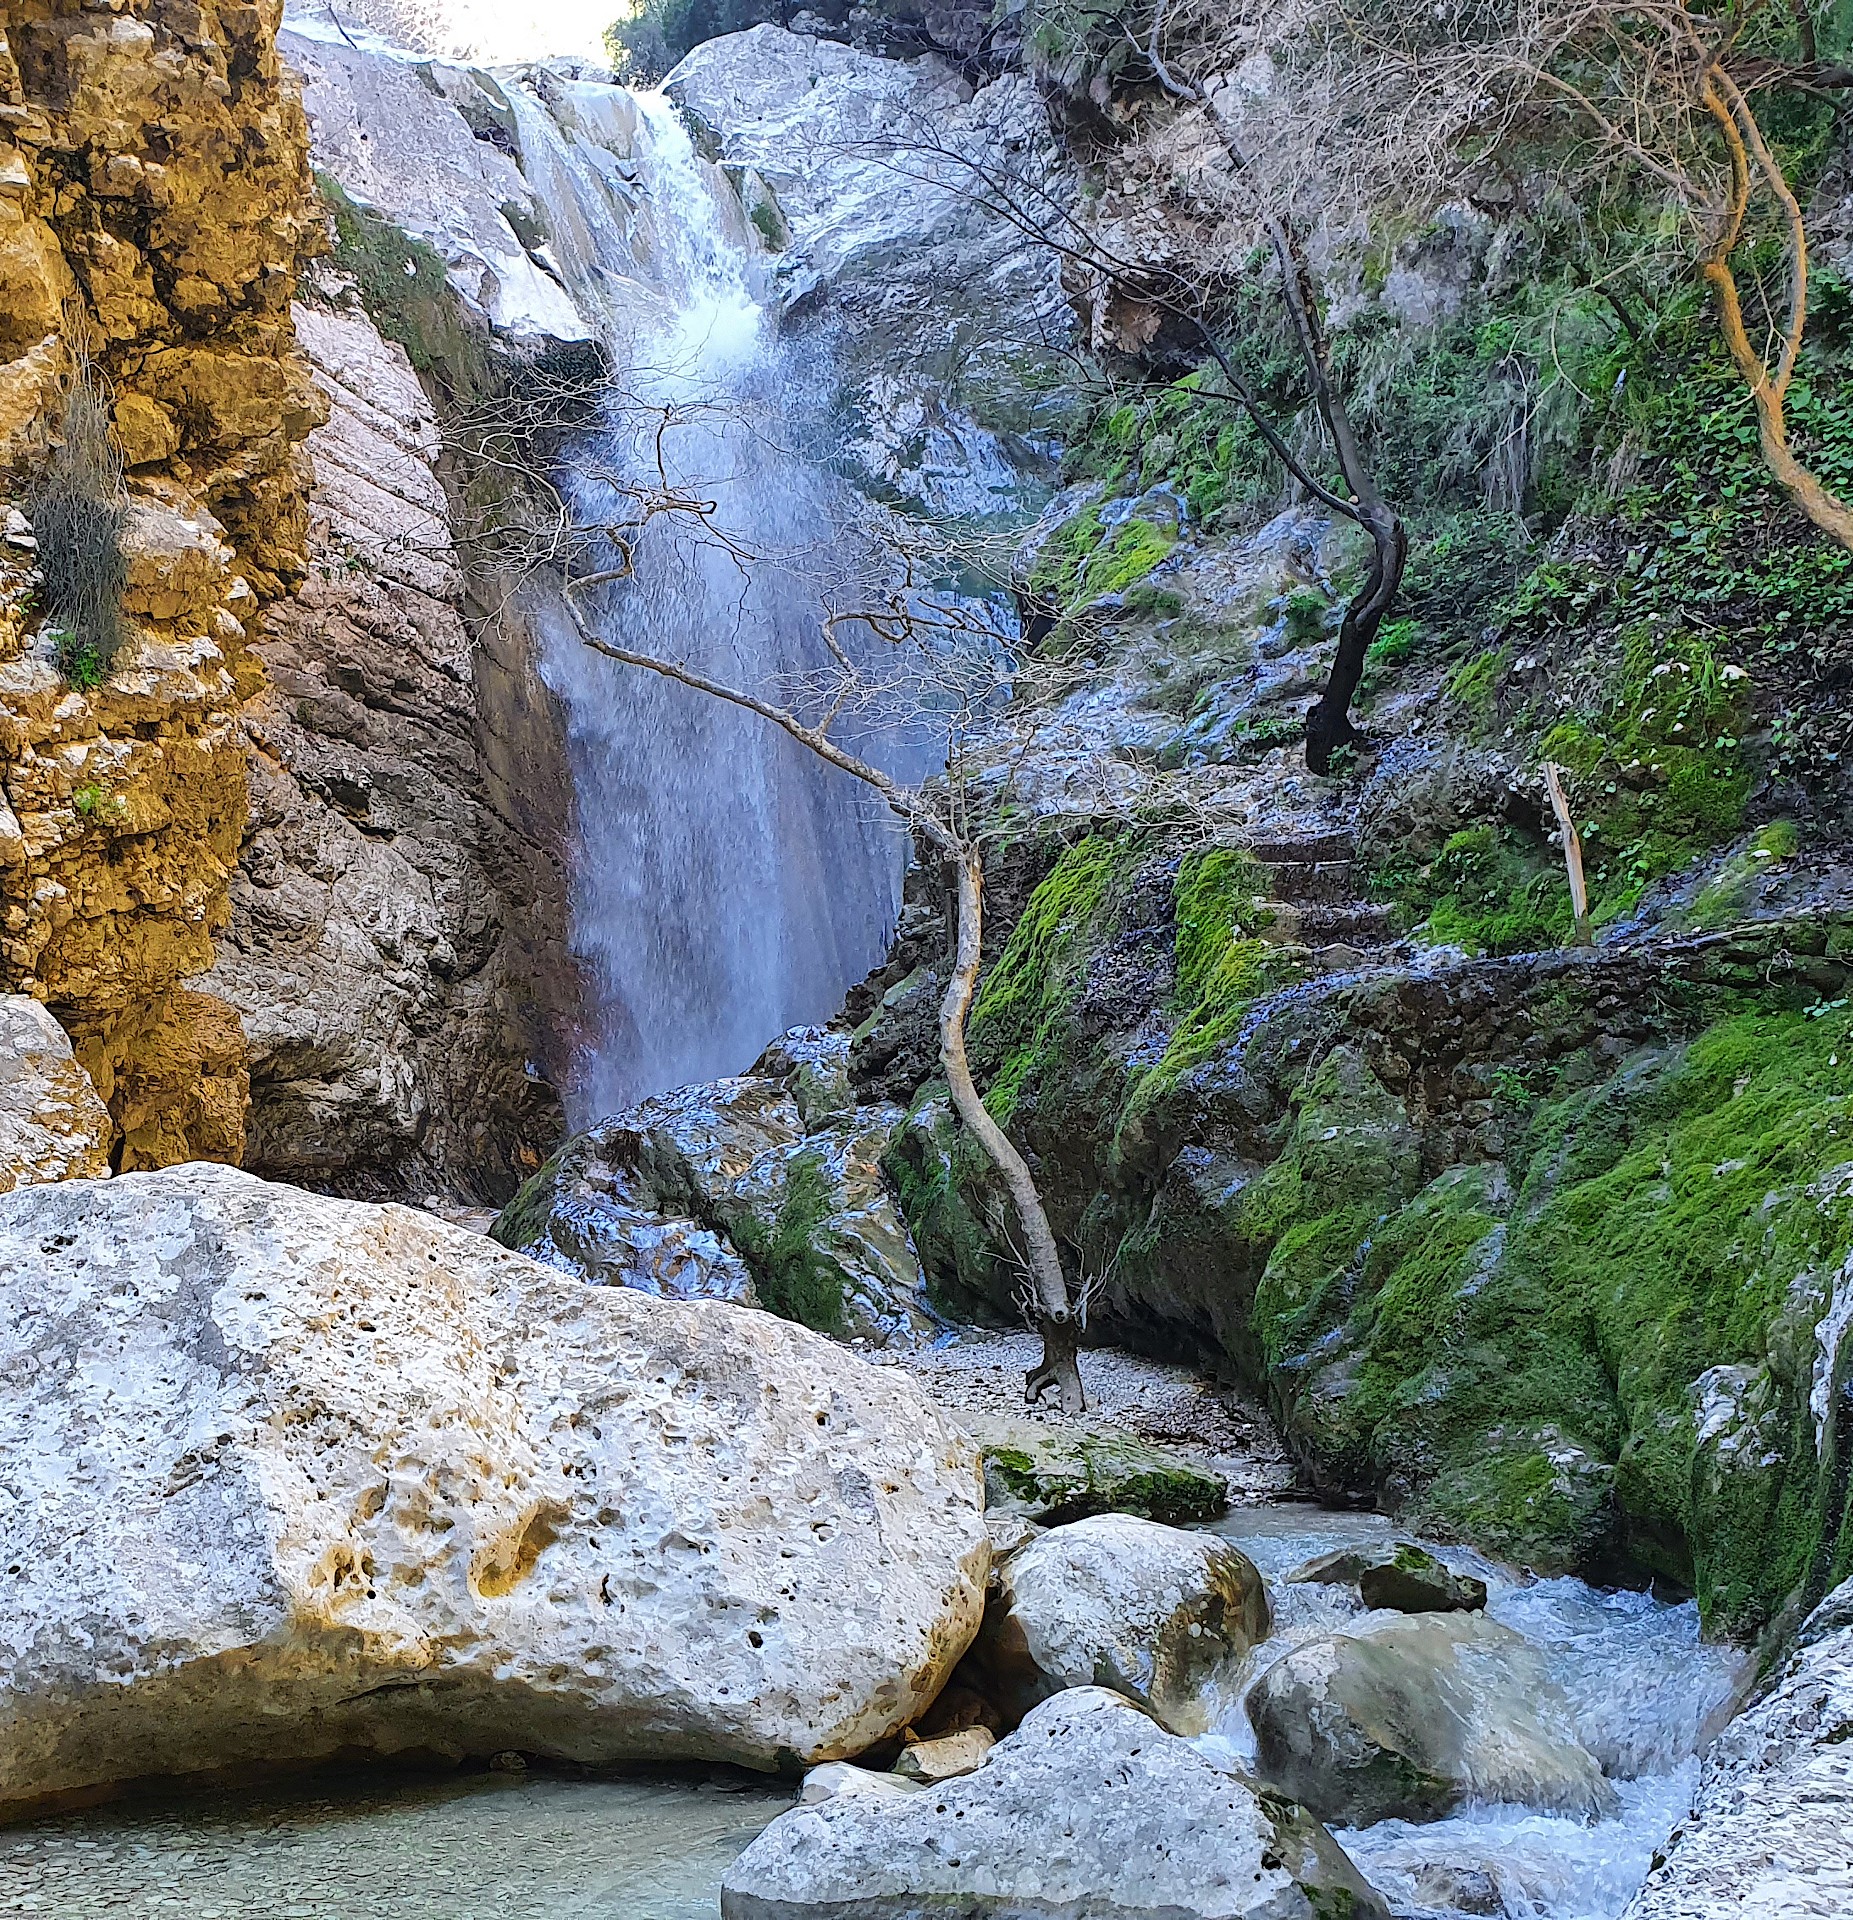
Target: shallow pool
x: 382, y: 1846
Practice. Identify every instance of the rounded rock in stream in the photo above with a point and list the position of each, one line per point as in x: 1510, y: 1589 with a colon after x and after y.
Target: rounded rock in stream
x: 286, y: 1475
x: 1413, y: 1716
x: 1088, y: 1812
x: 1158, y: 1614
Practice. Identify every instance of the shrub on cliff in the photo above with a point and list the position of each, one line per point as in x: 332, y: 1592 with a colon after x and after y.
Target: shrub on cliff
x: 76, y: 512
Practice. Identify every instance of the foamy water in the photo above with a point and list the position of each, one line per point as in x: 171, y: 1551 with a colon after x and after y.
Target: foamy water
x: 1644, y: 1689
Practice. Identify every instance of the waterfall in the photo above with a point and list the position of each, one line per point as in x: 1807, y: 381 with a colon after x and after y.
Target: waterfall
x: 729, y: 885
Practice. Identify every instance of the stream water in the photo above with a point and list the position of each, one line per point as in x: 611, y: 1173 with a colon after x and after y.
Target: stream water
x: 1645, y: 1692
x: 491, y: 1846
x: 728, y: 884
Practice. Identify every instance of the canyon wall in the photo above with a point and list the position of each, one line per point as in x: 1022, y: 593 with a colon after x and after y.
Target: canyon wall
x: 262, y: 862
x: 154, y: 203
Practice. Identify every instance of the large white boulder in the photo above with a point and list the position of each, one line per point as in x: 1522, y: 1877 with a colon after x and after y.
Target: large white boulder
x: 1770, y: 1836
x: 1087, y: 1812
x: 1409, y: 1716
x: 282, y: 1474
x: 1159, y: 1614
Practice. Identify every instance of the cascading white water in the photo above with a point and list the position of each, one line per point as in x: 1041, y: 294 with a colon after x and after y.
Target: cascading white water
x: 1644, y: 1693
x: 729, y: 885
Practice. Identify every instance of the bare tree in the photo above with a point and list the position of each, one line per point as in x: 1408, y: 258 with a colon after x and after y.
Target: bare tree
x: 1651, y: 102
x: 896, y: 650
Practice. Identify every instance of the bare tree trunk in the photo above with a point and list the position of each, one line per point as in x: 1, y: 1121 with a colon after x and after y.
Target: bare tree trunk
x: 1055, y: 1317
x: 1572, y: 855
x: 1328, y: 720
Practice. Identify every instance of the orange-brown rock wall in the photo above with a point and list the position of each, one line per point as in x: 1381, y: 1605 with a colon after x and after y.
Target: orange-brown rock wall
x: 155, y: 200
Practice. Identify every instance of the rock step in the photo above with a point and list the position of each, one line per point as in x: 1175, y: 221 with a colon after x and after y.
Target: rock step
x: 1310, y: 880
x: 1359, y: 923
x: 1336, y: 843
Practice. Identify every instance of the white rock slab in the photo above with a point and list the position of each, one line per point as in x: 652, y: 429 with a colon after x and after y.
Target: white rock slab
x: 1771, y: 1834
x: 53, y: 1123
x: 1087, y: 1812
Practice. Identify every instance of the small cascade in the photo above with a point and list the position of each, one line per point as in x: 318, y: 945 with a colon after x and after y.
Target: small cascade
x: 728, y: 884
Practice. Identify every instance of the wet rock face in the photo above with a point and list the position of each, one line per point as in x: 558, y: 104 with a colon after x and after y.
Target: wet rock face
x: 765, y: 1188
x: 1160, y: 1615
x: 395, y: 937
x: 859, y: 173
x: 1409, y: 1718
x: 292, y: 1475
x: 1087, y: 1810
x: 53, y: 1124
x: 1767, y: 1833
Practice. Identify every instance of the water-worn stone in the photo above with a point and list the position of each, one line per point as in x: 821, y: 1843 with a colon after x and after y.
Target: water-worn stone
x: 53, y: 1123
x: 1052, y: 1477
x: 945, y: 1758
x: 1401, y: 1576
x: 1159, y: 1614
x: 1409, y: 1718
x: 1087, y: 1812
x: 285, y: 1475
x: 1408, y: 1579
x: 839, y: 1776
x: 1768, y: 1834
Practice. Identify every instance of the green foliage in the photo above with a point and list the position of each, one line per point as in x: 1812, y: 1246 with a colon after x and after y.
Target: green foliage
x: 1542, y: 1368
x: 1083, y: 562
x: 1187, y: 434
x: 77, y: 507
x: 1493, y: 889
x: 1223, y: 965
x: 1727, y: 893
x: 92, y: 799
x: 1659, y: 771
x: 1016, y: 1028
x: 403, y: 286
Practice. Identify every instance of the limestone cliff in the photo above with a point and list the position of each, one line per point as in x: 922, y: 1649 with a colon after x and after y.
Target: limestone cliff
x: 154, y: 199
x: 386, y: 911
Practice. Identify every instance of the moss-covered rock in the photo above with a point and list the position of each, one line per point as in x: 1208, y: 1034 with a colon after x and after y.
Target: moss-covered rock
x: 764, y: 1188
x: 1543, y: 1253
x: 1057, y: 1476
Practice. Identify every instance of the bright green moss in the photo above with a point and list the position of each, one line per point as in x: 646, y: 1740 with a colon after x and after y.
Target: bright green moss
x: 1059, y: 1477
x: 949, y: 1196
x: 1538, y: 1378
x: 1083, y: 562
x: 1726, y: 895
x: 406, y: 292
x: 1494, y: 890
x: 1017, y: 1027
x: 793, y: 1275
x: 1223, y: 965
